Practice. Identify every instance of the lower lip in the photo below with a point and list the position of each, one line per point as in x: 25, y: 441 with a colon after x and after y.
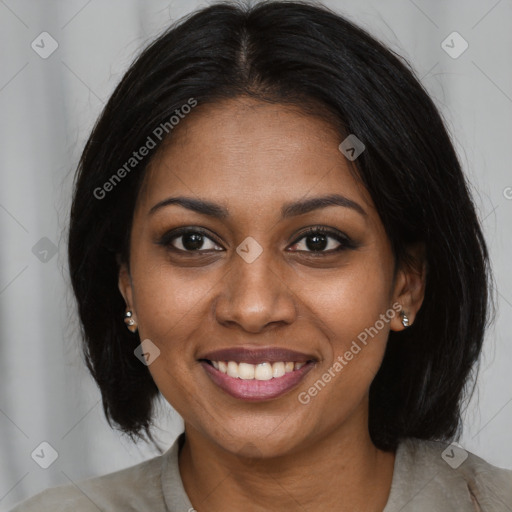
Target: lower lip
x: 256, y: 390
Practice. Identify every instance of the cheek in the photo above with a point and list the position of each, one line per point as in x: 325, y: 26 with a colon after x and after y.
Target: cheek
x: 170, y: 308
x: 169, y: 302
x: 349, y: 300
x: 352, y: 309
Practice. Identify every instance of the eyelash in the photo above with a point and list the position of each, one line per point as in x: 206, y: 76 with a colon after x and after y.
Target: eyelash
x: 344, y: 241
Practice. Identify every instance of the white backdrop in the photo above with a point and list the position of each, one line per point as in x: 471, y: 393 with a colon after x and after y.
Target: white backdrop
x: 48, y: 106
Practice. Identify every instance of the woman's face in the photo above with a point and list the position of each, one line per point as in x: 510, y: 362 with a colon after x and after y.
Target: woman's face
x: 246, y: 276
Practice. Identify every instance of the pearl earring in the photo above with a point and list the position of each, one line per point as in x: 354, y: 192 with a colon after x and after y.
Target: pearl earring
x: 129, y: 321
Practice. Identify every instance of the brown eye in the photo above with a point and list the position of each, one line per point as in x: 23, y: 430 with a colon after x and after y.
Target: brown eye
x: 189, y: 240
x: 318, y: 240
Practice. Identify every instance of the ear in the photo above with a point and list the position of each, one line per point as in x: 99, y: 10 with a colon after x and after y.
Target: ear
x: 125, y: 286
x: 409, y: 290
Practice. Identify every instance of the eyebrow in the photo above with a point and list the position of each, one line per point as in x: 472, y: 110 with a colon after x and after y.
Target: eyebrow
x: 292, y: 209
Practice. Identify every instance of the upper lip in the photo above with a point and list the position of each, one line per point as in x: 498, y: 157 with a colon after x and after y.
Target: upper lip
x: 257, y: 355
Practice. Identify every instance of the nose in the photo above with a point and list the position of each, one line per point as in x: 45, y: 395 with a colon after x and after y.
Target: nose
x: 254, y: 296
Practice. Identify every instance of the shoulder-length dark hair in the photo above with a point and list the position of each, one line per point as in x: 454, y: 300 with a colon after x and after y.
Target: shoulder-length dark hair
x: 301, y: 54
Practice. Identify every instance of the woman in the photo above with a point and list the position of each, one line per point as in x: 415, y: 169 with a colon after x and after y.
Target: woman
x: 271, y: 203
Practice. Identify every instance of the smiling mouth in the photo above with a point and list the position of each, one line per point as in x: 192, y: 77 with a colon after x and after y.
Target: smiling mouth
x: 257, y: 382
x: 262, y: 371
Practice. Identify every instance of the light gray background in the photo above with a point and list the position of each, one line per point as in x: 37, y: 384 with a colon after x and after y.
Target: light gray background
x: 48, y: 107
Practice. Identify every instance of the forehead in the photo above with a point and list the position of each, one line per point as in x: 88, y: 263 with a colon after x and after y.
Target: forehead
x: 250, y: 154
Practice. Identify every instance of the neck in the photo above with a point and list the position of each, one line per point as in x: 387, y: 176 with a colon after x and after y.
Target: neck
x: 334, y: 472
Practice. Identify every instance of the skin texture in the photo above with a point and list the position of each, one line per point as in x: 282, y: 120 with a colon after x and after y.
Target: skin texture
x: 252, y: 157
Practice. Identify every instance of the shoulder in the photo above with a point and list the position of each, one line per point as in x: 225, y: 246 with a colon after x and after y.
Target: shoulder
x: 447, y: 476
x: 135, y: 488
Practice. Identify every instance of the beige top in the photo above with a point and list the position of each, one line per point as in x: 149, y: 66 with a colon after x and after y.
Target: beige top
x: 423, y: 481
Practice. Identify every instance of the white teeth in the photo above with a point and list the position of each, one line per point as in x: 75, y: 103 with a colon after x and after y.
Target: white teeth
x: 261, y: 371
x: 278, y: 370
x: 246, y: 371
x: 232, y: 369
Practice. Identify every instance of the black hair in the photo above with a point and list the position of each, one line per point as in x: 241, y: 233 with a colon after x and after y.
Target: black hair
x: 300, y: 54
